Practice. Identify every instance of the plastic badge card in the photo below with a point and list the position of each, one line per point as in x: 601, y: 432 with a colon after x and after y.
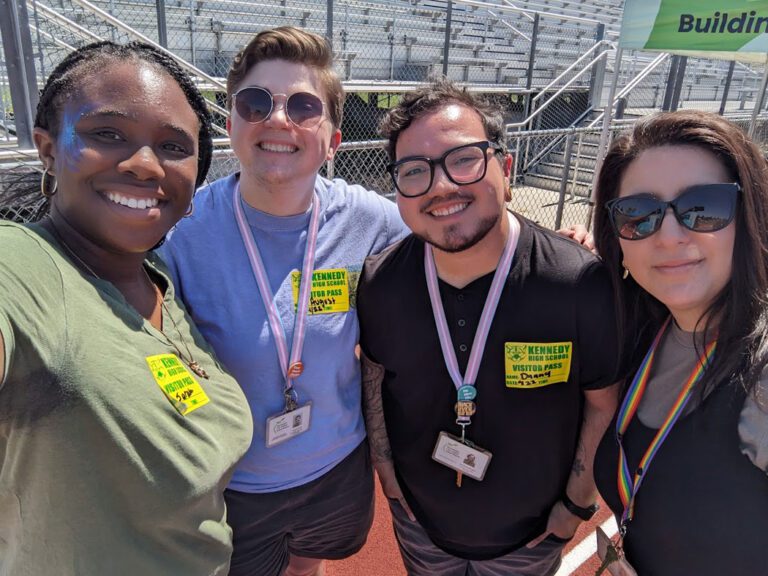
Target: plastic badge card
x: 469, y: 460
x: 287, y: 425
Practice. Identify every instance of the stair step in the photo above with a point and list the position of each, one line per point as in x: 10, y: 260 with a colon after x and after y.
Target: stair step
x: 556, y: 171
x: 586, y: 163
x: 553, y: 183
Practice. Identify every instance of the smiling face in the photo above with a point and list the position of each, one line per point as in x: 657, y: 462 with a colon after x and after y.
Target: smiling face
x: 684, y: 270
x: 453, y: 217
x: 276, y: 153
x: 125, y: 157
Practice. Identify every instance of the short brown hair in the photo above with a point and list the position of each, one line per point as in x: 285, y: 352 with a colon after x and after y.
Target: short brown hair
x: 438, y: 93
x: 294, y: 45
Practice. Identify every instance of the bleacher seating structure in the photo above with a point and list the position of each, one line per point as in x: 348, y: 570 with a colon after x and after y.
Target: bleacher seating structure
x: 386, y: 46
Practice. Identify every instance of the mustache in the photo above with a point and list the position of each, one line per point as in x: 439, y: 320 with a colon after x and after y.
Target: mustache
x: 453, y: 196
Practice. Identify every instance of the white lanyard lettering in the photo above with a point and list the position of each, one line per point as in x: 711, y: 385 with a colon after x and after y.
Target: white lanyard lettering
x: 465, y: 386
x: 291, y: 368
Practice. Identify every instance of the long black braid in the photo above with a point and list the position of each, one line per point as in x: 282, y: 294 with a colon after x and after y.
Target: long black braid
x: 64, y: 80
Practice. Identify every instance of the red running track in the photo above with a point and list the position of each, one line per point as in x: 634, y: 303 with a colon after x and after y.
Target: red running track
x: 380, y: 557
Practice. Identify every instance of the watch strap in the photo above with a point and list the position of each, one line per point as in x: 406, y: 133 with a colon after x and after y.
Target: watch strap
x: 585, y: 513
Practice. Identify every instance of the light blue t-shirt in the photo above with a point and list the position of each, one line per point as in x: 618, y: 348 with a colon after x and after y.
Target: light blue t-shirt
x: 213, y: 276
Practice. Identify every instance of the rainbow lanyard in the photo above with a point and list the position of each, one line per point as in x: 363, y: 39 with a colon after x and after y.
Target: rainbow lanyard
x: 628, y: 487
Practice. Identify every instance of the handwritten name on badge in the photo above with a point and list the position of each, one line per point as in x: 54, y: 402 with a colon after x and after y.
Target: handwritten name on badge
x: 536, y: 364
x: 330, y: 291
x: 177, y: 383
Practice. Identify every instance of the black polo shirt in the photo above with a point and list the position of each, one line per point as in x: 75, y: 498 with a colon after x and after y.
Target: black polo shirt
x: 556, y: 303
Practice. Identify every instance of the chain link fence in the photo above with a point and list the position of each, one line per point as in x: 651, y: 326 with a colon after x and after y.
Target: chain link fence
x: 548, y: 70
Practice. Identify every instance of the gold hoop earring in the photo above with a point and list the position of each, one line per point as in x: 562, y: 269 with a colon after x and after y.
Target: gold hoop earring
x: 191, y: 209
x: 626, y: 274
x: 43, y: 178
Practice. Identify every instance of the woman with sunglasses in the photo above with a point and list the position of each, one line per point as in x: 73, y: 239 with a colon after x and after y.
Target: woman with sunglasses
x: 682, y: 223
x: 304, y: 490
x: 119, y: 430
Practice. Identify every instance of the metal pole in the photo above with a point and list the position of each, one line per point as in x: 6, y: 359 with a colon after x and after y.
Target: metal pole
x: 758, y: 101
x: 670, y: 88
x: 192, y: 31
x: 597, y: 77
x: 447, y: 45
x: 162, y: 28
x: 17, y: 47
x: 607, y: 114
x: 39, y: 42
x: 532, y: 54
x: 727, y: 87
x: 391, y: 39
x: 680, y: 78
x: 329, y: 21
x: 564, y: 181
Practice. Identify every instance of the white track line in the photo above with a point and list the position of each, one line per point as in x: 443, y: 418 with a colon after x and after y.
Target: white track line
x: 584, y: 550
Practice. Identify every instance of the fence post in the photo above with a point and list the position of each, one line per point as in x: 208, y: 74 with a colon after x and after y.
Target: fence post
x: 597, y: 77
x: 678, y: 83
x: 17, y: 47
x: 162, y: 28
x: 192, y: 26
x: 564, y: 181
x: 604, y: 132
x: 727, y: 87
x: 529, y: 73
x: 671, y: 80
x: 329, y: 21
x: 758, y: 101
x: 447, y: 45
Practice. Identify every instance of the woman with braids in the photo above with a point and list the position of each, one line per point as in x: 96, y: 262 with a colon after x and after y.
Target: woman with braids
x: 682, y: 223
x: 118, y: 428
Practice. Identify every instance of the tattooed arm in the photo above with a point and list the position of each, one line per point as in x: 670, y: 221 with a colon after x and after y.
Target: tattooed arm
x: 599, y: 407
x: 381, y: 453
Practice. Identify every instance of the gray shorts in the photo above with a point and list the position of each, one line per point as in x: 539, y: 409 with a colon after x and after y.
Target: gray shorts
x: 327, y: 518
x: 422, y: 558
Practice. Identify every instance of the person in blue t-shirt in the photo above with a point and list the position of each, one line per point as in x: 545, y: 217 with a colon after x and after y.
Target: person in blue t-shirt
x: 304, y: 490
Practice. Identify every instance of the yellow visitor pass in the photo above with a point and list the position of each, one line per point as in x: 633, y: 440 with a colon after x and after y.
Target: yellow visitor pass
x: 330, y: 291
x: 536, y: 364
x: 178, y: 385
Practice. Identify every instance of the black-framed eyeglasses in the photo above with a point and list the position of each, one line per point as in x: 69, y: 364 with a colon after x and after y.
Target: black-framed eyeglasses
x: 255, y: 104
x: 699, y: 208
x: 465, y: 164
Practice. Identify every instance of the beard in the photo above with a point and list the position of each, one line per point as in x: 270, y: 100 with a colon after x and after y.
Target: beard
x: 453, y: 240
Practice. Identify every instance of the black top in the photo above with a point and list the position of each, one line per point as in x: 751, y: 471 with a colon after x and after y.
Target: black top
x: 556, y: 292
x: 703, y: 507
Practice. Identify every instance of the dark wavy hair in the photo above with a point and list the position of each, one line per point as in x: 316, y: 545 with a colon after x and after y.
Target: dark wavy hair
x: 438, y: 93
x: 739, y: 314
x: 65, y: 78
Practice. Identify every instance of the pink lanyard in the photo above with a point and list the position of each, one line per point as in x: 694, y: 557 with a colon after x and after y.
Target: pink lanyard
x: 486, y: 318
x: 291, y: 369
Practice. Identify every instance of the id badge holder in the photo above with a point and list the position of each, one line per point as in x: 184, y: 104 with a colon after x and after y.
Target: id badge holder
x: 466, y: 459
x: 291, y: 422
x: 611, y: 555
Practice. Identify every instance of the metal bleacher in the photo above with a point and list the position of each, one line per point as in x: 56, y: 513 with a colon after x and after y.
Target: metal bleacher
x: 529, y: 53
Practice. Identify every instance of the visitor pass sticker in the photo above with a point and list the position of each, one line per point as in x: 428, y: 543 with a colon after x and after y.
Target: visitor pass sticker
x: 536, y: 364
x: 176, y: 382
x: 330, y: 291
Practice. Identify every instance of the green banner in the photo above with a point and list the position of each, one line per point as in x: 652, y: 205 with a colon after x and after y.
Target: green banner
x: 739, y: 26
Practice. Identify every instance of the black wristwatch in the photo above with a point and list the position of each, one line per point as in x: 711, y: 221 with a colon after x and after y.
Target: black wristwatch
x: 579, y: 511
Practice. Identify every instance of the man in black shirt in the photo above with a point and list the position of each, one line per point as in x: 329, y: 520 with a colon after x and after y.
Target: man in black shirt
x: 488, y: 354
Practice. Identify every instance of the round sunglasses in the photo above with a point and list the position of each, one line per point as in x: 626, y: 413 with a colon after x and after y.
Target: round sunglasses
x: 255, y: 104
x: 699, y: 208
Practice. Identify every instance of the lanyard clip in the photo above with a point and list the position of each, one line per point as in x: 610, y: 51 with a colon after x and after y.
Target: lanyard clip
x: 291, y: 399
